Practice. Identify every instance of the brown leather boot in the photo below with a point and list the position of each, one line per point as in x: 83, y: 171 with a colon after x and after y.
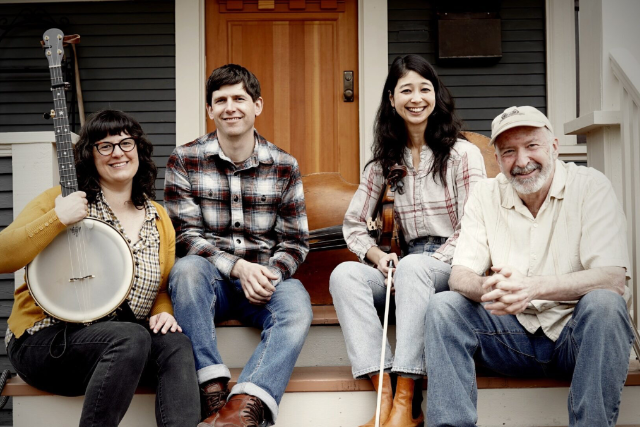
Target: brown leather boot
x: 242, y: 410
x: 401, y: 415
x: 213, y: 396
x: 386, y: 402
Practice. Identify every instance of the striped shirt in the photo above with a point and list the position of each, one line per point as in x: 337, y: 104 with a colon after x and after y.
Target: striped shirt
x: 426, y: 208
x: 222, y: 211
x: 580, y: 226
x: 146, y: 259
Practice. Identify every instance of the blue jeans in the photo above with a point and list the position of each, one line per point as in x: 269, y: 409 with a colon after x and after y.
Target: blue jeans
x: 201, y: 298
x: 105, y: 361
x: 592, y: 351
x: 359, y: 293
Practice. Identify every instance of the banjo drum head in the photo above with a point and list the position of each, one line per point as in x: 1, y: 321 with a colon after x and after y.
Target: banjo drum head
x: 84, y: 274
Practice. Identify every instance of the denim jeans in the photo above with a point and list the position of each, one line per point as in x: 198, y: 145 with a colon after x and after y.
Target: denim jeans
x: 592, y: 351
x: 359, y: 293
x: 105, y: 362
x: 202, y: 298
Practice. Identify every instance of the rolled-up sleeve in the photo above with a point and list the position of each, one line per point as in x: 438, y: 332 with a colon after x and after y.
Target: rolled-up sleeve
x: 604, y: 227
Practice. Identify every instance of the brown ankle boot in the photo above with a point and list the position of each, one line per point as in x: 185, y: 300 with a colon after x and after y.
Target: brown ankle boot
x: 386, y: 401
x: 213, y: 396
x: 242, y: 410
x: 401, y: 415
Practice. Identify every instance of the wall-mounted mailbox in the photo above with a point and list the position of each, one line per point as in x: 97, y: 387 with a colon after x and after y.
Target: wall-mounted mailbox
x: 469, y: 37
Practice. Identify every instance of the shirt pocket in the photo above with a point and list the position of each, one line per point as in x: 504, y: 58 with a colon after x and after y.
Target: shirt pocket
x: 262, y: 211
x: 214, y: 199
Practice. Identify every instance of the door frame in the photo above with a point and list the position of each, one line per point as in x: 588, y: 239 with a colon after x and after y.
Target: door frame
x: 372, y: 65
x: 191, y: 69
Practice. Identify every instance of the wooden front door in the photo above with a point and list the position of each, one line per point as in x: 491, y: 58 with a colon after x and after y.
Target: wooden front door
x: 299, y: 50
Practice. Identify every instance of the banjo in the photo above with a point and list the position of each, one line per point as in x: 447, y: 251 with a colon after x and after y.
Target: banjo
x: 87, y: 271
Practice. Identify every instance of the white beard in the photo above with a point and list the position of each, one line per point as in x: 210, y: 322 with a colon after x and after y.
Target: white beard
x: 535, y: 183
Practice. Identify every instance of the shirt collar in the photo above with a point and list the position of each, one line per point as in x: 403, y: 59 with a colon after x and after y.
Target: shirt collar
x: 261, y: 152
x: 102, y: 205
x: 510, y: 197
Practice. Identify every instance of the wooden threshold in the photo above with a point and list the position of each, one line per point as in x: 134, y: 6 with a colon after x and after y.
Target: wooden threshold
x: 339, y: 379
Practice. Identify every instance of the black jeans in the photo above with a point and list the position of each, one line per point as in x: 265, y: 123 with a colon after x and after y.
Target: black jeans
x: 105, y: 362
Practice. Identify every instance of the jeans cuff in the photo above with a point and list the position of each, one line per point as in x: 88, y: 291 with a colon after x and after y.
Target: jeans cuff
x: 213, y: 371
x: 364, y: 373
x: 413, y: 371
x: 253, y: 390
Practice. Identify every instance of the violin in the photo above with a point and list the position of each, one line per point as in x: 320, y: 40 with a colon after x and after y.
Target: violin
x: 382, y: 225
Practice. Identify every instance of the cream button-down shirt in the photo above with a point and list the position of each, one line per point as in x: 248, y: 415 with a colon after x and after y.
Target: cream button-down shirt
x: 580, y: 226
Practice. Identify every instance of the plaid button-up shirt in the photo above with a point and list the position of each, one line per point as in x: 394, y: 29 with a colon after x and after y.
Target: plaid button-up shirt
x: 224, y: 212
x: 426, y: 208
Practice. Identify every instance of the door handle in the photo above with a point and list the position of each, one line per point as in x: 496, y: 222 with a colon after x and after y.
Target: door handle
x: 347, y: 85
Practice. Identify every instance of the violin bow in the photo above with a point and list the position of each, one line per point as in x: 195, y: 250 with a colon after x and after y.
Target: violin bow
x: 384, y: 343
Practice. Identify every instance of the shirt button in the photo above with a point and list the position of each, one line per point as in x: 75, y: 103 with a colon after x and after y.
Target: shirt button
x: 41, y: 228
x: 534, y: 257
x: 46, y: 224
x: 238, y: 241
x: 237, y: 224
x: 235, y: 198
x: 535, y: 225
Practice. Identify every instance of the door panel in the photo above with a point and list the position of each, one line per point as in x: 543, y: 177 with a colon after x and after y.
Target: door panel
x: 299, y: 56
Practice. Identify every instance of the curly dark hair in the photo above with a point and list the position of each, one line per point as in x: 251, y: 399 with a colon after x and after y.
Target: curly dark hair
x: 232, y: 74
x: 390, y: 133
x: 113, y: 122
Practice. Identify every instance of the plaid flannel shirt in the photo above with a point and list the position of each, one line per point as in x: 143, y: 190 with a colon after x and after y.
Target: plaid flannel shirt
x: 426, y: 208
x: 224, y: 212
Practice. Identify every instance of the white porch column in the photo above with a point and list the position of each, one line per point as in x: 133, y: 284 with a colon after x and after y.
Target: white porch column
x: 609, y: 107
x: 34, y: 167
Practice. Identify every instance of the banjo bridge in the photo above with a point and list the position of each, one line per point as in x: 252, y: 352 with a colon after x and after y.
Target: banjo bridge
x: 76, y: 279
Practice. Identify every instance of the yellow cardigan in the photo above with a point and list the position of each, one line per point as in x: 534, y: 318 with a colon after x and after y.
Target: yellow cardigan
x: 36, y: 227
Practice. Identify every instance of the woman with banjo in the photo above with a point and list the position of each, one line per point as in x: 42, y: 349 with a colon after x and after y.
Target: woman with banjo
x: 416, y: 128
x: 75, y: 353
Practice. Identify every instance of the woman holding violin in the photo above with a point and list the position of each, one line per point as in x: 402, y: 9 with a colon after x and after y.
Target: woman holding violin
x: 416, y: 128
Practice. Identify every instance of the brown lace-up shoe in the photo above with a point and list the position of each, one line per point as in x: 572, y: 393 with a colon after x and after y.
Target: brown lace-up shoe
x: 241, y: 410
x: 213, y: 396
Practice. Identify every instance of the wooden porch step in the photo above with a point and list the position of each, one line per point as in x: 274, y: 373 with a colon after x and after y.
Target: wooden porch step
x: 338, y: 378
x: 322, y: 315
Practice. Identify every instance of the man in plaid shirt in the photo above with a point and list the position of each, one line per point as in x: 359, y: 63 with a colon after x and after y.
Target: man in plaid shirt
x: 237, y: 204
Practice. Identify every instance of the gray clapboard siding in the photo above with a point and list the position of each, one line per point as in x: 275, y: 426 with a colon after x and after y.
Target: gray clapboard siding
x: 480, y: 92
x: 6, y: 280
x: 126, y: 58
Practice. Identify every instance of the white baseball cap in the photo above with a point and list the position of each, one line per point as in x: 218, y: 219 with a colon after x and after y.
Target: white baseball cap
x: 518, y: 116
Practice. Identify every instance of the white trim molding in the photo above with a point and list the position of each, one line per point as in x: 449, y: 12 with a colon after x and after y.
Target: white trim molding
x: 190, y: 70
x: 561, y: 66
x: 373, y: 48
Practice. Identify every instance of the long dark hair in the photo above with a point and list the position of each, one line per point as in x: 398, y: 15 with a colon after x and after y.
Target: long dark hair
x: 113, y: 122
x: 390, y: 133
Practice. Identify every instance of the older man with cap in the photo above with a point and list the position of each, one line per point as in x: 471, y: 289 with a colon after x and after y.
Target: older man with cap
x: 553, y: 236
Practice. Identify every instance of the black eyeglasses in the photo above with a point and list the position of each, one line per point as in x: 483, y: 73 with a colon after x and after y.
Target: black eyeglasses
x: 106, y: 148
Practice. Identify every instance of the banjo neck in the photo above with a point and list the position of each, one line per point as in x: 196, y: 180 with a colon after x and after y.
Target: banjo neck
x: 54, y: 50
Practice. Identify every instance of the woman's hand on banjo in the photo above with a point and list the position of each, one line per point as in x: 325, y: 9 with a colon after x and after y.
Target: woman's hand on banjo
x: 164, y: 322
x: 72, y: 208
